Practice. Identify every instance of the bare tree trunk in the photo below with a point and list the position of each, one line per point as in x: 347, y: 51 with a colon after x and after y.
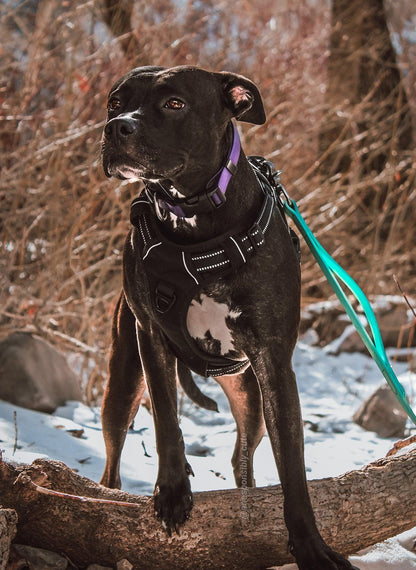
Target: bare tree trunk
x: 366, y: 143
x: 117, y: 14
x: 228, y: 529
x: 364, y: 81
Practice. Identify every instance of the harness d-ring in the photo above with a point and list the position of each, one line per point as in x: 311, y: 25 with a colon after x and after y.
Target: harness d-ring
x: 162, y: 214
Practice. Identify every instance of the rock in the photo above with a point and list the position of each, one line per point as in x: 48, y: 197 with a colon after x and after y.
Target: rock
x: 348, y: 341
x: 35, y: 375
x: 8, y: 522
x: 38, y: 558
x: 382, y: 413
x: 327, y: 319
x: 330, y: 322
x: 23, y: 556
x: 124, y: 565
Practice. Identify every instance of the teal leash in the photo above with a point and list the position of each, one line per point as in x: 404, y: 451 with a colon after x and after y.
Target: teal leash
x: 336, y: 275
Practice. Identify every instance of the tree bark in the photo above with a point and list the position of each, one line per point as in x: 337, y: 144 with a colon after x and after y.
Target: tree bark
x: 117, y: 14
x: 8, y: 520
x: 361, y: 52
x: 365, y: 94
x: 239, y: 528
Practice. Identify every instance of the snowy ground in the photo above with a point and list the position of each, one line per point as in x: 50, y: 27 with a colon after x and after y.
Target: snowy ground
x: 331, y: 389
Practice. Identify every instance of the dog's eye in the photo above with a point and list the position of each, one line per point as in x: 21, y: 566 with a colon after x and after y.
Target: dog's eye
x: 113, y: 104
x: 174, y: 104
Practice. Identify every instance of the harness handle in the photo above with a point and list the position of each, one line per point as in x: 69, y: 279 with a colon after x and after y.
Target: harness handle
x: 336, y: 276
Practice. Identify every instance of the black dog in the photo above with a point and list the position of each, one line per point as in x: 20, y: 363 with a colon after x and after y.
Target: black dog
x: 211, y: 283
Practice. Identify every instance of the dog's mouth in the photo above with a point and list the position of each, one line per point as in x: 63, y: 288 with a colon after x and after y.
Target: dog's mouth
x: 123, y: 172
x: 147, y: 166
x: 133, y: 171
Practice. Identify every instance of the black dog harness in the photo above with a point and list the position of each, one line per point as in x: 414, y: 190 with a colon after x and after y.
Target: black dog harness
x: 176, y: 273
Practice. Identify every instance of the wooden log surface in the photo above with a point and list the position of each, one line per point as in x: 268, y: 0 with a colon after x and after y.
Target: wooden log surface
x: 238, y: 528
x: 8, y: 521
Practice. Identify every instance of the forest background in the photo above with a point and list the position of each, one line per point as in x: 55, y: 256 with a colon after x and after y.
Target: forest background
x: 338, y: 81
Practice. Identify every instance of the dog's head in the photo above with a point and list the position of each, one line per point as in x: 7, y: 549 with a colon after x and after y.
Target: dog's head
x: 170, y: 124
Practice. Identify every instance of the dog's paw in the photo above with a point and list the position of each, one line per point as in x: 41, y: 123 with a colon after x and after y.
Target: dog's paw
x: 318, y: 556
x: 173, y: 501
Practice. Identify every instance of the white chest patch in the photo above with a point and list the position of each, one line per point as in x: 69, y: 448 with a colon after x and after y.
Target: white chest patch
x: 175, y: 220
x: 208, y: 319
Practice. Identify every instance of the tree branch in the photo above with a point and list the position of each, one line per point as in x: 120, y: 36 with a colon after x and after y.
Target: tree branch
x: 61, y: 511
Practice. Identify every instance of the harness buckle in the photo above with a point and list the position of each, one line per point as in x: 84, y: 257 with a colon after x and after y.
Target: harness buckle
x: 165, y: 297
x: 256, y: 236
x: 216, y: 197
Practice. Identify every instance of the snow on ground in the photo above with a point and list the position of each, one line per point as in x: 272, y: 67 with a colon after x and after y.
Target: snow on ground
x: 331, y: 389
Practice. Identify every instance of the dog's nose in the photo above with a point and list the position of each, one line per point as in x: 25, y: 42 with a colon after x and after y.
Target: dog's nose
x: 120, y: 127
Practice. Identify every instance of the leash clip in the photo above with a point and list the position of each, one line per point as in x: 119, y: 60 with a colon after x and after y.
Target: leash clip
x: 274, y: 177
x: 283, y: 196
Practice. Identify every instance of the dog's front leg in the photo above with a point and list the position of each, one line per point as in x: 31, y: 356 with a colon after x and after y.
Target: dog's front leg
x: 172, y: 495
x: 283, y: 421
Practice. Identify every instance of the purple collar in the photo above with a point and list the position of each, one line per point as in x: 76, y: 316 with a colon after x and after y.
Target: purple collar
x: 210, y: 199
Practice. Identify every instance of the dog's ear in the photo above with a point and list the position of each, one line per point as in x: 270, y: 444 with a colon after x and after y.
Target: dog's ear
x: 243, y: 98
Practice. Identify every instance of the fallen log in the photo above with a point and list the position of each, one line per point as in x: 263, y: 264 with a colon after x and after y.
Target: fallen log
x: 8, y: 520
x: 238, y: 528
